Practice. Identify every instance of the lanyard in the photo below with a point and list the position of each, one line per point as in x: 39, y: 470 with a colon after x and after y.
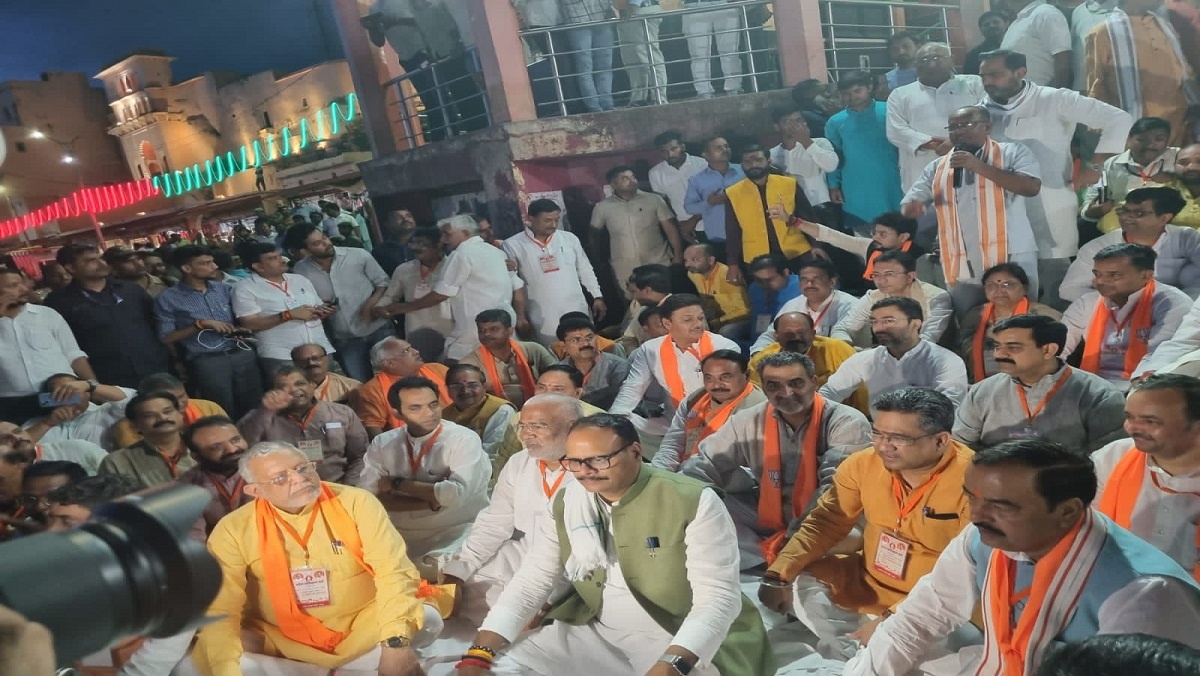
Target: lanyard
x: 907, y: 506
x: 282, y: 287
x: 541, y: 246
x: 424, y: 271
x: 821, y: 315
x: 322, y: 393
x: 303, y: 424
x: 548, y: 489
x: 415, y: 463
x: 1196, y: 568
x: 231, y: 498
x: 287, y: 528
x: 710, y: 282
x: 172, y: 464
x: 1030, y: 415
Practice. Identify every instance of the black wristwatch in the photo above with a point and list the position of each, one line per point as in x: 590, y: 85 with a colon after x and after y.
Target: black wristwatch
x: 92, y: 385
x: 677, y: 662
x: 397, y: 482
x: 395, y: 642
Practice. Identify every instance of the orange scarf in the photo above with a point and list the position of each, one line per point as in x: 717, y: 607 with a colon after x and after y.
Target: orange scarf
x: 875, y: 254
x: 989, y: 313
x: 294, y: 622
x: 385, y: 383
x: 191, y: 414
x: 524, y: 373
x: 1138, y: 322
x: 431, y: 372
x: 993, y: 234
x: 708, y: 420
x: 670, y: 364
x: 770, y: 484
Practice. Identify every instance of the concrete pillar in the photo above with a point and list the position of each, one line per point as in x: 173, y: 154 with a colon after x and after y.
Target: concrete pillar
x: 367, y: 72
x: 502, y: 57
x: 801, y: 45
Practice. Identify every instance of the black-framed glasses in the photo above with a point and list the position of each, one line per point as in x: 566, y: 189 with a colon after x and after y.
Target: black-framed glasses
x: 897, y: 440
x: 597, y: 462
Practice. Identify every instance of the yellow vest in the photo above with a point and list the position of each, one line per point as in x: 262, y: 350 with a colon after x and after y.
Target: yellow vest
x: 751, y: 215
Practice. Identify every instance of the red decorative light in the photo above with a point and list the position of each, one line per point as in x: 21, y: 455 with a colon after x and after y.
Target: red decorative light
x: 82, y: 201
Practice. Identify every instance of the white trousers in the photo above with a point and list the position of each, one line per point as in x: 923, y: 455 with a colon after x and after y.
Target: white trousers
x: 592, y: 649
x: 642, y: 56
x: 700, y: 29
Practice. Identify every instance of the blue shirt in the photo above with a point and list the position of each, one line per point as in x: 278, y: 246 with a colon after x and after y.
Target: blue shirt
x: 898, y: 78
x: 700, y: 187
x: 181, y: 306
x: 765, y: 303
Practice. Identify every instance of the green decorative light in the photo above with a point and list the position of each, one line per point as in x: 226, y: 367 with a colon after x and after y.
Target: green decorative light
x: 253, y: 155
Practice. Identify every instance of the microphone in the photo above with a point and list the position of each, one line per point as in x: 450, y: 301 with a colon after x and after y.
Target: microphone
x: 958, y: 172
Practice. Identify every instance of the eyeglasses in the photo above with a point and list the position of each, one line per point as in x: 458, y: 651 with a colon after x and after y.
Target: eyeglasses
x: 308, y: 469
x: 897, y: 440
x: 596, y: 462
x: 581, y: 340
x: 1122, y: 211
x: 886, y: 275
x: 34, y: 502
x: 956, y: 126
x: 532, y: 427
x: 933, y: 58
x: 1009, y: 285
x: 458, y: 387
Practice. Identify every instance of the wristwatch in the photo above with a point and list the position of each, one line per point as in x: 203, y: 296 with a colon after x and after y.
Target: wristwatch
x: 395, y: 642
x: 397, y: 482
x: 677, y: 662
x: 92, y: 385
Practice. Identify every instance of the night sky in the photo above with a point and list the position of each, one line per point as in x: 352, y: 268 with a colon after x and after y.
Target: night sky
x: 246, y: 36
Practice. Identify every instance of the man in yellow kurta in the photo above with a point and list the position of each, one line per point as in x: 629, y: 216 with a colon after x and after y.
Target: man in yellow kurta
x: 712, y: 283
x: 909, y: 488
x: 313, y: 573
x: 794, y: 332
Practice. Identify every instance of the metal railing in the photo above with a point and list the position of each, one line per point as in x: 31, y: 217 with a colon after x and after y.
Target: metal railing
x: 647, y: 58
x: 442, y: 99
x: 856, y: 31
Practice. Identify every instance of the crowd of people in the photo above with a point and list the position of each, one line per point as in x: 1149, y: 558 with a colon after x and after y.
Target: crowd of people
x: 870, y: 408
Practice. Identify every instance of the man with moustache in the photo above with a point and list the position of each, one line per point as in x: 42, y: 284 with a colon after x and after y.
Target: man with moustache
x: 216, y: 445
x: 761, y: 214
x: 327, y: 433
x: 1036, y: 395
x: 392, y: 359
x: 314, y: 361
x: 507, y: 529
x: 364, y: 616
x: 414, y: 279
x: 603, y: 372
x: 159, y: 457
x: 512, y: 366
x: 895, y: 276
x: 791, y: 444
x: 1187, y: 182
x: 1044, y: 566
x: 193, y: 409
x: 84, y: 453
x: 794, y: 332
x: 819, y: 298
x: 730, y: 301
x: 1148, y: 162
x: 727, y: 390
x: 706, y: 198
x: 471, y: 406
x: 649, y: 596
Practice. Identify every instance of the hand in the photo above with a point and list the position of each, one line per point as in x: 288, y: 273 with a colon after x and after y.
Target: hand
x: 836, y: 196
x: 718, y: 197
x: 537, y: 619
x: 324, y: 311
x: 400, y: 662
x: 931, y: 144
x: 912, y: 209
x: 944, y: 147
x: 662, y: 669
x: 599, y: 309
x: 381, y: 312
x: 66, y: 389
x: 219, y: 327
x: 779, y: 213
x: 25, y: 647
x: 460, y: 592
x: 778, y: 599
x: 303, y: 313
x: 510, y: 264
x: 1099, y: 210
x: 734, y: 276
x: 961, y: 159
x: 61, y: 415
x: 276, y: 400
x: 366, y: 313
x: 473, y: 671
x: 865, y: 632
x: 687, y: 229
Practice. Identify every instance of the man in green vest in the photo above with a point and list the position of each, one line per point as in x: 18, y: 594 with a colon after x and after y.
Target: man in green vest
x: 657, y: 596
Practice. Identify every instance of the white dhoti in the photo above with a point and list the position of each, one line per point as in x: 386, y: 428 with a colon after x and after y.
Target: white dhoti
x: 593, y: 649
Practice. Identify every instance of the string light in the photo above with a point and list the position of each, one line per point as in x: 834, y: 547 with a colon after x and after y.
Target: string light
x: 83, y: 201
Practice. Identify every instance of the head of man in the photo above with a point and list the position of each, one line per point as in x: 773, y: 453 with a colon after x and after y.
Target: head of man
x: 911, y: 431
x: 1148, y: 140
x: 263, y: 259
x: 281, y: 474
x: 42, y: 477
x: 154, y: 263
x: 562, y: 379
x: 770, y: 271
x: 17, y: 440
x: 313, y: 360
x: 495, y: 329
x: 124, y: 263
x: 902, y: 49
x: 726, y: 374
x: 55, y: 276
x: 395, y: 357
x: 71, y: 504
x: 1026, y: 494
x: 309, y: 240
x: 671, y: 147
x: 755, y: 162
x: 486, y: 232
x: 1005, y: 284
x: 934, y: 63
x: 417, y: 402
x: 895, y: 271
x: 165, y: 382
x: 316, y: 217
x: 1121, y: 654
x: 546, y: 419
x: 402, y: 221
x: 1147, y: 211
x: 650, y: 283
x: 1003, y: 73
x: 458, y: 229
x: 790, y: 122
x: 993, y: 25
x: 1028, y: 346
x: 543, y: 218
x: 650, y: 319
x: 892, y: 230
x: 466, y: 385
x: 426, y: 246
x: 1187, y: 166
x: 1162, y: 416
x: 578, y: 335
x: 896, y: 322
x: 13, y: 291
x: 1121, y: 270
x: 788, y: 381
x: 856, y: 89
x: 622, y: 180
x: 814, y: 95
x: 795, y: 332
x: 683, y: 318
x: 969, y: 127
x: 262, y: 227
x: 699, y: 259
x: 301, y: 391
x: 604, y: 453
x: 215, y: 444
x: 818, y: 279
x: 196, y: 263
x: 155, y: 415
x: 716, y: 150
x: 83, y: 262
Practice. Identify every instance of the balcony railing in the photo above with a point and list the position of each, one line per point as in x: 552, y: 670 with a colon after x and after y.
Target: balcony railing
x: 856, y: 31
x: 442, y: 99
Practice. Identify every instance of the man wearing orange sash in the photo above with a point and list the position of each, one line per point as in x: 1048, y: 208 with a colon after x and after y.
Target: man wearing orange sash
x: 1045, y: 568
x: 392, y: 360
x: 908, y: 489
x: 791, y: 444
x: 314, y: 361
x: 124, y: 434
x: 1126, y: 318
x: 216, y: 445
x: 727, y: 390
x: 671, y: 361
x: 314, y: 574
x: 512, y: 366
x: 979, y: 191
x: 431, y: 474
x: 1150, y: 483
x: 889, y: 231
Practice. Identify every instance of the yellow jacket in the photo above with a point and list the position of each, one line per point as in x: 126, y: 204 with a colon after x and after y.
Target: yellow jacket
x: 827, y: 355
x: 751, y: 215
x: 733, y: 300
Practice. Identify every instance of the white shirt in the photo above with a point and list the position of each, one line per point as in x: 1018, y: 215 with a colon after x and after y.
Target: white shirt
x: 945, y: 599
x: 257, y: 296
x: 672, y: 183
x: 351, y: 281
x: 476, y: 278
x: 825, y: 316
x: 808, y: 166
x: 93, y: 425
x: 1166, y: 520
x: 554, y: 277
x: 456, y: 466
x: 712, y: 574
x: 84, y: 453
x: 1185, y: 341
x: 1178, y: 262
x: 935, y: 304
x: 408, y: 284
x: 926, y: 365
x: 1039, y: 32
x: 918, y: 113
x: 37, y: 344
x: 519, y: 504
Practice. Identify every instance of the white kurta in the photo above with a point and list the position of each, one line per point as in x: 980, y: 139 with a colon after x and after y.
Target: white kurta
x: 1178, y: 262
x: 423, y: 326
x: 672, y: 183
x: 1183, y: 346
x: 917, y: 113
x: 825, y: 316
x: 808, y: 166
x: 926, y: 365
x: 1039, y: 31
x: 476, y: 278
x: 555, y: 276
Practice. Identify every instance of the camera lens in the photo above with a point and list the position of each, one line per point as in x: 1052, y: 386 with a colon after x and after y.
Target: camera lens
x: 130, y: 570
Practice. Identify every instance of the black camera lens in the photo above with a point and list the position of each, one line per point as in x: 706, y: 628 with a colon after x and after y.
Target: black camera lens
x: 130, y: 570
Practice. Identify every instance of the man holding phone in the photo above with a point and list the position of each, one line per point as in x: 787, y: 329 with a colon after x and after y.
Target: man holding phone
x: 74, y: 408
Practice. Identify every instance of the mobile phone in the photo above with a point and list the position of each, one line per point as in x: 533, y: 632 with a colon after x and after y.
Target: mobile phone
x: 47, y: 400
x: 1102, y: 194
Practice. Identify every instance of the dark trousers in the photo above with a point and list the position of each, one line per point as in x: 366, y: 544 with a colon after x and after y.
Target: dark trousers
x: 231, y: 379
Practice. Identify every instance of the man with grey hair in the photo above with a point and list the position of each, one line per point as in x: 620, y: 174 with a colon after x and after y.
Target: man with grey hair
x: 913, y: 456
x: 275, y: 614
x: 506, y: 530
x: 476, y: 278
x: 791, y: 445
x: 392, y: 359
